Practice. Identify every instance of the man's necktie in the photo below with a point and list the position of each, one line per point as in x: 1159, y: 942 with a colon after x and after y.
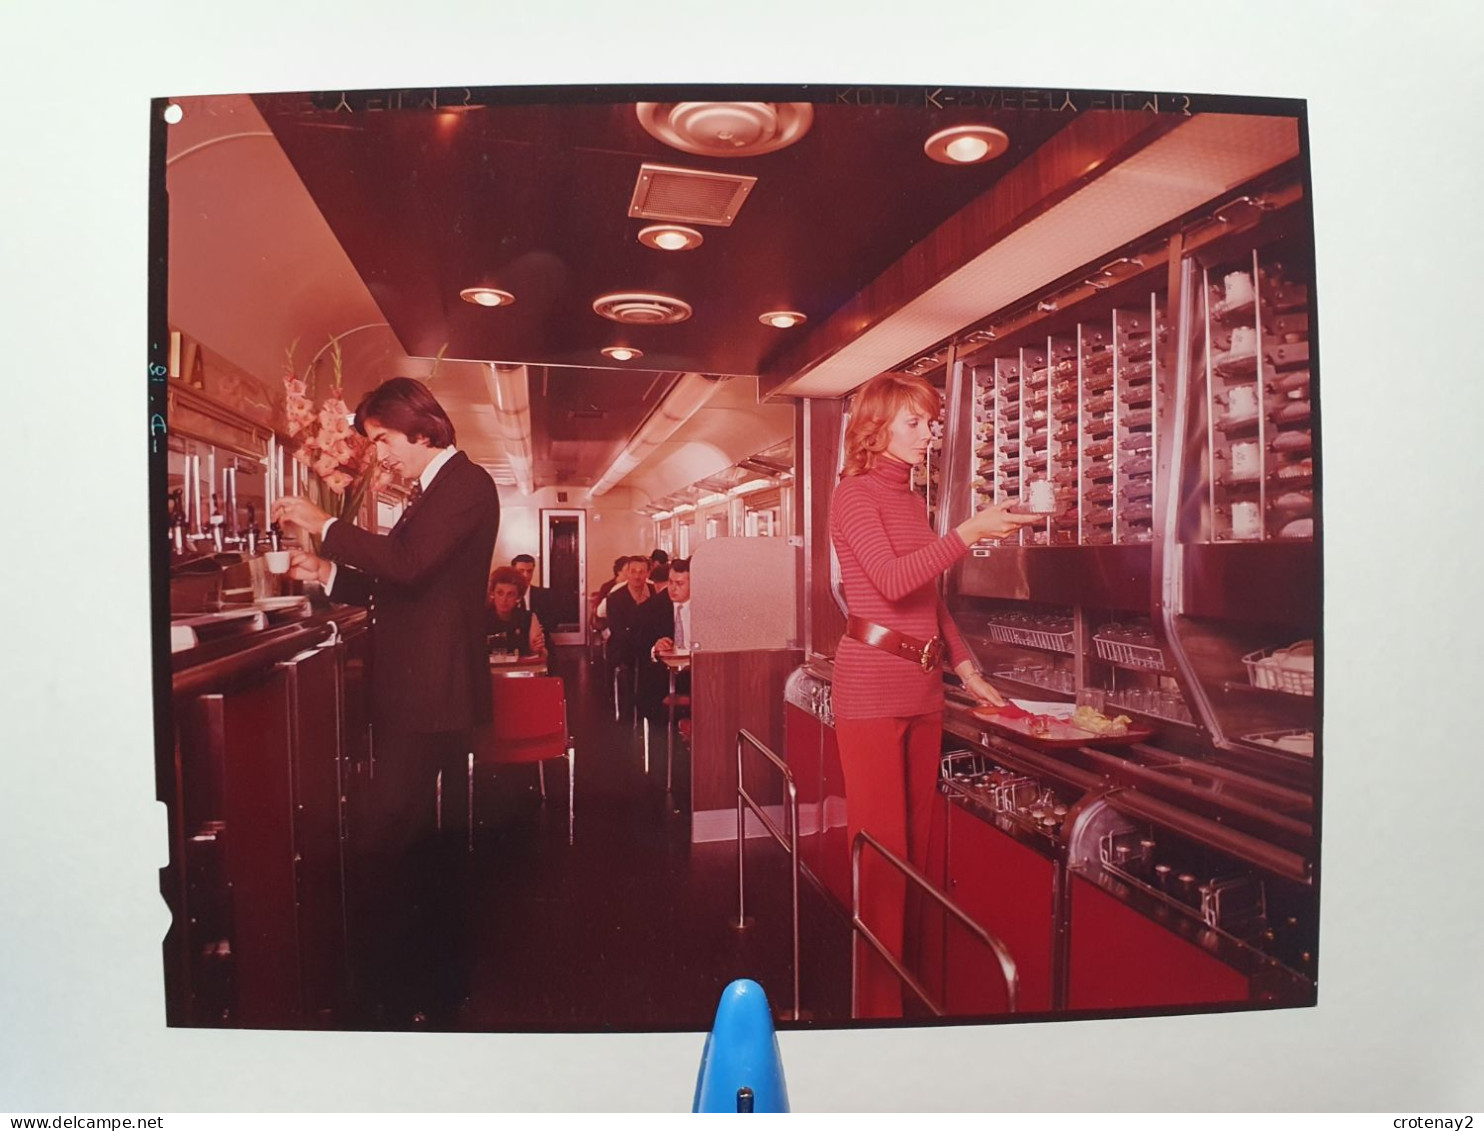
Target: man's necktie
x: 415, y: 494
x: 679, y: 629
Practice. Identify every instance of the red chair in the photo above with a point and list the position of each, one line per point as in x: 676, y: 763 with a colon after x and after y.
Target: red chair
x: 530, y: 725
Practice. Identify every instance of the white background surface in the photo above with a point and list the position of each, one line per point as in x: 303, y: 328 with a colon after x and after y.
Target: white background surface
x: 1394, y: 105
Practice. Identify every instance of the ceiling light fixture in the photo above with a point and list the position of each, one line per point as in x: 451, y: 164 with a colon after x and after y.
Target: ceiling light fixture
x: 781, y: 319
x: 752, y: 485
x: 622, y: 353
x: 173, y: 113
x: 642, y: 309
x: 726, y: 129
x: 670, y: 237
x: 966, y: 145
x: 486, y: 296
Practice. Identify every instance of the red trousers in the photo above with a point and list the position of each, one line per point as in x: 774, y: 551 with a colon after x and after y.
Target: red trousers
x: 891, y: 778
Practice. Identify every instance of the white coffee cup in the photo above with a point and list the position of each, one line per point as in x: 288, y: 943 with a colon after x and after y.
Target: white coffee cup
x: 1243, y: 401
x: 1238, y: 288
x: 278, y: 561
x: 1245, y: 522
x: 1245, y: 463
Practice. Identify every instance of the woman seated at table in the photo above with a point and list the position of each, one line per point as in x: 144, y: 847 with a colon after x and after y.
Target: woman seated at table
x: 509, y: 628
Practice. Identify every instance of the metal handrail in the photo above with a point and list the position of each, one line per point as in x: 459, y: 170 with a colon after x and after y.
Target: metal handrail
x: 788, y: 841
x: 1001, y: 952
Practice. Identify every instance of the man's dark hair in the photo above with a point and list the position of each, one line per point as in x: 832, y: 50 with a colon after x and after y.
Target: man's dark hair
x: 515, y: 561
x: 659, y: 574
x: 406, y: 406
x: 680, y: 565
x: 620, y: 563
x: 659, y: 557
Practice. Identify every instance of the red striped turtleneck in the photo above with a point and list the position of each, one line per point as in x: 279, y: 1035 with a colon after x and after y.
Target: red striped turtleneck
x: 889, y: 564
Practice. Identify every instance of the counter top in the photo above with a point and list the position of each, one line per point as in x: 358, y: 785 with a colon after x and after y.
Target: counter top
x: 208, y: 664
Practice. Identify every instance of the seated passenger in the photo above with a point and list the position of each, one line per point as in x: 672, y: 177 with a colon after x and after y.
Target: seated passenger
x: 621, y: 607
x: 664, y: 626
x: 508, y: 627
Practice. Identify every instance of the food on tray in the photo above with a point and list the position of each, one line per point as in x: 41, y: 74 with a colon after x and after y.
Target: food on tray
x: 1298, y: 528
x: 1296, y: 743
x: 1292, y: 441
x: 1098, y: 723
x: 1294, y: 501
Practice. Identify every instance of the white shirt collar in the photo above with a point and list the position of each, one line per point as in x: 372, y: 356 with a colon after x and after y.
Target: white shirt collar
x: 435, y: 465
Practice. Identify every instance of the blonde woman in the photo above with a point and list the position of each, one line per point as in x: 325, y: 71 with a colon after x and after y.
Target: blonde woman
x: 888, y: 689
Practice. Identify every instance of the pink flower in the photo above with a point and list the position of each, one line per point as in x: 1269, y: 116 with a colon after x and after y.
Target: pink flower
x: 338, y: 481
x: 341, y: 452
x: 325, y: 466
x: 301, y: 454
x: 294, y: 386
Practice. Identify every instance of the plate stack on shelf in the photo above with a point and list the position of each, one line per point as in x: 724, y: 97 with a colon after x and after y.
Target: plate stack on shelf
x: 1135, y: 393
x: 984, y: 436
x: 1007, y: 430
x: 1285, y: 378
x: 1098, y: 427
x: 1062, y: 448
x: 1035, y: 431
x: 1262, y: 486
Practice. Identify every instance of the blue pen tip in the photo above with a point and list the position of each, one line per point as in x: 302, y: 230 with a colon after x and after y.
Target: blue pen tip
x: 740, y: 1066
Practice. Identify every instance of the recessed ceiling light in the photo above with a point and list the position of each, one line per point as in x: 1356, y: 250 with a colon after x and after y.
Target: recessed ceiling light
x: 782, y: 319
x: 173, y: 113
x: 642, y: 308
x: 486, y: 296
x: 726, y: 129
x: 670, y: 237
x: 622, y: 353
x: 966, y: 145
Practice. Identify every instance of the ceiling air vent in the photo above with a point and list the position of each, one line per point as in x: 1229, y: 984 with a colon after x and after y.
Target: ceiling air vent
x: 688, y: 195
x: 642, y: 309
x: 726, y: 129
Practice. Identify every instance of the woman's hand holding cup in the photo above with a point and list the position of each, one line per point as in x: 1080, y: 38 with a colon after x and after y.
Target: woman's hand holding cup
x: 995, y: 522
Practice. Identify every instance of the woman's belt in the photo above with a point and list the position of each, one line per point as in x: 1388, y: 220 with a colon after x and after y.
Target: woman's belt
x: 926, y: 654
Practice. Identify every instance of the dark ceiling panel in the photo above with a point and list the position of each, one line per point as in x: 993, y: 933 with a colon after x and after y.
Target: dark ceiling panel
x: 582, y: 418
x: 534, y: 199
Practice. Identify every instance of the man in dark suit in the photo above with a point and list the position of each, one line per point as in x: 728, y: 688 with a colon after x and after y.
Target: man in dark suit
x: 425, y: 583
x: 533, y: 597
x: 664, y: 626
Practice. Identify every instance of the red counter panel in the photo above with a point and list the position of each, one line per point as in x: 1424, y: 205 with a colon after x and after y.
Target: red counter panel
x: 1007, y: 888
x: 1121, y: 960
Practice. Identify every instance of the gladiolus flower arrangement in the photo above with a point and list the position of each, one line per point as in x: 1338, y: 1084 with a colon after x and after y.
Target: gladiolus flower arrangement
x: 343, y: 463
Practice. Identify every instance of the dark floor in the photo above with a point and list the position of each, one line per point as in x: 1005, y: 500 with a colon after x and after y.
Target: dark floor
x: 631, y: 927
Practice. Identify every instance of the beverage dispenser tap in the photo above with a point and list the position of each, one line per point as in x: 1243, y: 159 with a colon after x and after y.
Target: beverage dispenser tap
x: 216, y: 525
x: 275, y: 537
x: 252, y: 532
x: 177, y: 522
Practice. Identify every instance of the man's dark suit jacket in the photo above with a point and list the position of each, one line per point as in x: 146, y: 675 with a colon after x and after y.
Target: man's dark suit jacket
x: 623, y: 623
x: 425, y: 581
x: 540, y: 605
x: 656, y: 621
